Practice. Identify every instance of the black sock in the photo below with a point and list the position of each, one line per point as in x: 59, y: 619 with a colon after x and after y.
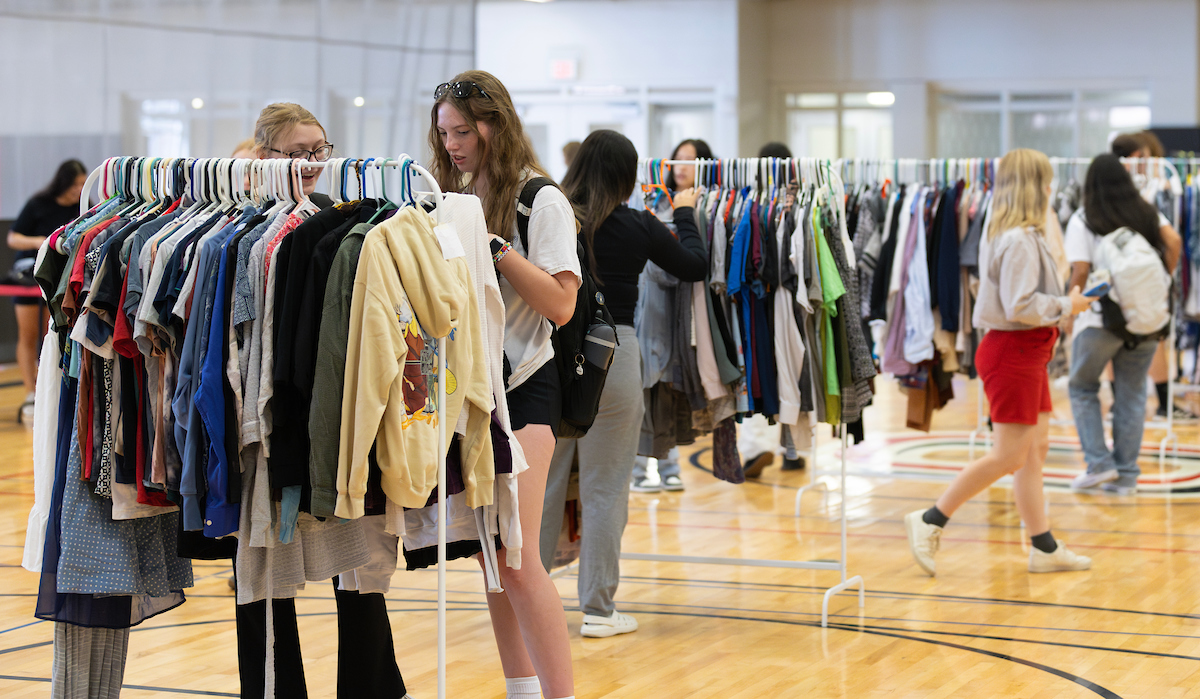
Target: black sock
x: 935, y: 517
x: 1161, y: 388
x: 1044, y: 542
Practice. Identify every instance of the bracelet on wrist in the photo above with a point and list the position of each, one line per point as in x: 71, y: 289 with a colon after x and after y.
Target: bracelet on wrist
x: 502, y: 250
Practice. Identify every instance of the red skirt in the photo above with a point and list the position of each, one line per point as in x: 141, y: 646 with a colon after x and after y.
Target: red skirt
x: 1012, y: 364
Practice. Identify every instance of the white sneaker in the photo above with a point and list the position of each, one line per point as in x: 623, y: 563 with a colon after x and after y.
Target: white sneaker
x: 1119, y: 489
x: 1061, y: 559
x: 672, y: 483
x: 645, y: 485
x: 595, y: 626
x: 923, y: 540
x: 1087, y: 480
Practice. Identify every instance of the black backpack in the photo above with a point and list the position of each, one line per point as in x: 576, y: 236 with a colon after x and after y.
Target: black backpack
x: 584, y: 346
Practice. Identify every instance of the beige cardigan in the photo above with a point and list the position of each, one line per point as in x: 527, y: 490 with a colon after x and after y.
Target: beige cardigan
x: 1019, y: 286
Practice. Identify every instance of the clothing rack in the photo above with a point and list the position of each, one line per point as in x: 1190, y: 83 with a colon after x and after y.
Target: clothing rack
x: 744, y: 172
x: 294, y: 168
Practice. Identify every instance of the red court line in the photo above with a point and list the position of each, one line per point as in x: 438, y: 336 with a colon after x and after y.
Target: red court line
x: 918, y: 467
x: 17, y: 475
x: 1074, y: 543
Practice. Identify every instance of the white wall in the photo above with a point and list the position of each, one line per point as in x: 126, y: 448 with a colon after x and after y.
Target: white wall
x: 73, y: 69
x: 916, y: 46
x: 654, y: 51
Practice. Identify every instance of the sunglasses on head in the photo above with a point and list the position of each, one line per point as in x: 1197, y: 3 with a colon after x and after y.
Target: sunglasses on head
x: 460, y: 89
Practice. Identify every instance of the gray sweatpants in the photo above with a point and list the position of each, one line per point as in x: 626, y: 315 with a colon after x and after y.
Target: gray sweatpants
x: 606, y: 456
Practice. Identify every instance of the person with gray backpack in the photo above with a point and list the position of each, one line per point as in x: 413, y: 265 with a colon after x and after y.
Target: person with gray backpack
x: 1123, y: 253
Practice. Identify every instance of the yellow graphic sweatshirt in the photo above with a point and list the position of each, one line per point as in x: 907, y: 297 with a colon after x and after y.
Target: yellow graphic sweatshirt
x: 406, y: 294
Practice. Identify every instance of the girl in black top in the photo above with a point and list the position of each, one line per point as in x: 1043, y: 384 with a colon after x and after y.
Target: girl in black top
x: 43, y: 214
x: 618, y: 242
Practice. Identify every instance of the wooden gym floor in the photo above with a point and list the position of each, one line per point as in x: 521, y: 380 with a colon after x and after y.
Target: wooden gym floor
x: 983, y: 628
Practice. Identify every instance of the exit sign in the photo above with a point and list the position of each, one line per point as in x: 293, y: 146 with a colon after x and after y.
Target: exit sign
x: 564, y: 69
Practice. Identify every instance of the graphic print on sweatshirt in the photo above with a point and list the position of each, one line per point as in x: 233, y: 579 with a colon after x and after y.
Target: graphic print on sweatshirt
x: 420, y: 369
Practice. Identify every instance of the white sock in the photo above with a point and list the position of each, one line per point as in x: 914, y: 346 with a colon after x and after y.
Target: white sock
x: 523, y: 687
x: 570, y: 697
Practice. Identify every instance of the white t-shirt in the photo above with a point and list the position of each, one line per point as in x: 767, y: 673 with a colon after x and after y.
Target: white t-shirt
x: 1080, y: 243
x: 552, y: 248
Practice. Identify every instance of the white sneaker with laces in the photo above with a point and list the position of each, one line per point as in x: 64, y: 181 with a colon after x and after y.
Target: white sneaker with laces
x: 672, y: 483
x: 1062, y: 559
x: 595, y: 626
x: 645, y: 485
x: 1087, y: 480
x: 923, y: 540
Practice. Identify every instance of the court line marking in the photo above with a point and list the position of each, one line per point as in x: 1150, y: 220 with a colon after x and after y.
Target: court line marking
x: 1142, y: 499
x: 173, y: 690
x: 936, y: 596
x: 884, y: 520
x: 859, y: 628
x: 899, y: 537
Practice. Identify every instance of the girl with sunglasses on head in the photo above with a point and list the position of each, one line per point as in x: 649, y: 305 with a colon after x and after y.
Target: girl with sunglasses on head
x: 479, y: 147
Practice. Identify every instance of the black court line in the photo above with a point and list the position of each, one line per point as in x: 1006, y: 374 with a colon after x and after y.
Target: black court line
x: 933, y: 596
x: 694, y: 460
x: 873, y: 630
x: 1013, y: 639
x: 884, y: 520
x: 1087, y: 684
x: 23, y: 626
x: 173, y: 690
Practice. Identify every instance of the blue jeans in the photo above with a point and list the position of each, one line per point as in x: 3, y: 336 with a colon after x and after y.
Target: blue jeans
x: 1092, y: 350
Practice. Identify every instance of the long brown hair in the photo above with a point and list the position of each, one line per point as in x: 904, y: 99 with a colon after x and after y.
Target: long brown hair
x: 602, y: 176
x: 1020, y: 198
x: 504, y: 156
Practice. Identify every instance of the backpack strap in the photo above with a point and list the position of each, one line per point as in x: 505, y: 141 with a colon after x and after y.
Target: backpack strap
x: 525, y: 207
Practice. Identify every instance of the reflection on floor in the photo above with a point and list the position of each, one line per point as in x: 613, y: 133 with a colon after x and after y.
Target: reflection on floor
x: 983, y: 628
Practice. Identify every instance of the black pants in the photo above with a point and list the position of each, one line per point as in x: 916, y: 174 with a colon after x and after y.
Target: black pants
x: 366, y: 656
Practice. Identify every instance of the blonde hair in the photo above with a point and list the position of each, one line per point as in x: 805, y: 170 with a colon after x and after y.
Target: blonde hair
x: 504, y: 156
x: 1020, y: 198
x: 246, y: 145
x: 276, y: 120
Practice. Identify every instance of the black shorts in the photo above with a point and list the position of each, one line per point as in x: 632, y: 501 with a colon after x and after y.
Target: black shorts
x: 29, y: 301
x: 538, y: 401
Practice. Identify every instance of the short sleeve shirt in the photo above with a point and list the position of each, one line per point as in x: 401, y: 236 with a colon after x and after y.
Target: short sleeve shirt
x: 40, y: 217
x: 551, y: 248
x: 1080, y: 243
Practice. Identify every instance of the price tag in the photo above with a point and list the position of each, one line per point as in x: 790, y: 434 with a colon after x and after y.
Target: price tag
x: 447, y: 237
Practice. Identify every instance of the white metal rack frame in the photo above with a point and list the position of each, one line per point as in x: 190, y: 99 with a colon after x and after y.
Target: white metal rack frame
x: 744, y: 170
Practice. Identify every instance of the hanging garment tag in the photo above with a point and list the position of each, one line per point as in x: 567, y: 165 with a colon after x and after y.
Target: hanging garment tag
x: 447, y: 237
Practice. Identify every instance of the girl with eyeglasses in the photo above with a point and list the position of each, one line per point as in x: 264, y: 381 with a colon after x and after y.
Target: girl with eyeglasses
x: 366, y: 653
x: 479, y: 147
x: 287, y: 130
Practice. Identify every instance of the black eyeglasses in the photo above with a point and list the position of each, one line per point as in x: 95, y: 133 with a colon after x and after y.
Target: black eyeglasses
x: 461, y: 89
x: 319, y: 155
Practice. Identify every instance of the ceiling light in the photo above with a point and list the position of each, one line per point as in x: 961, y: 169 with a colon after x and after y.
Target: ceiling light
x: 359, y: 101
x: 881, y: 99
x: 197, y: 103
